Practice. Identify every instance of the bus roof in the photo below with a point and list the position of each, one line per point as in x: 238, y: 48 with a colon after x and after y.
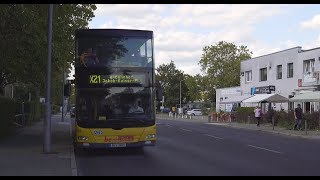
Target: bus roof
x: 114, y: 32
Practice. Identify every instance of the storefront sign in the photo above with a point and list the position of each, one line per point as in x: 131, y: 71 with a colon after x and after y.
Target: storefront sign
x: 262, y: 90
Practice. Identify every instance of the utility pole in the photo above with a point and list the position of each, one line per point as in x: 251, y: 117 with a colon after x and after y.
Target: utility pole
x: 63, y: 98
x: 180, y: 93
x: 47, y: 122
x: 162, y: 101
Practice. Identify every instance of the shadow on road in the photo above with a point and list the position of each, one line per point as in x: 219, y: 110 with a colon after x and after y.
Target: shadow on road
x: 109, y: 152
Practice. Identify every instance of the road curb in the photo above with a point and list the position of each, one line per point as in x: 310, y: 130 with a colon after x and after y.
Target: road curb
x: 74, y: 170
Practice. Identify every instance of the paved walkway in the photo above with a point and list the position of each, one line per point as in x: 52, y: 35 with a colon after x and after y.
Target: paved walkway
x: 263, y: 127
x: 22, y: 153
x: 315, y: 134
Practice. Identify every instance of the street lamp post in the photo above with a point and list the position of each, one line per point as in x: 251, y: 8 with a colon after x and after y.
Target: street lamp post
x: 63, y: 98
x: 180, y: 109
x: 180, y: 94
x: 47, y: 122
x: 162, y: 101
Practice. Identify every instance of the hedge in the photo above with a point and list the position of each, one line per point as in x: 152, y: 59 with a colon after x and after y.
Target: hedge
x: 8, y: 109
x: 33, y: 111
x: 281, y: 118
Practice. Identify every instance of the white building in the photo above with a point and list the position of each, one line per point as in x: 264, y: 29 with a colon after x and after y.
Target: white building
x: 228, y: 98
x: 288, y: 72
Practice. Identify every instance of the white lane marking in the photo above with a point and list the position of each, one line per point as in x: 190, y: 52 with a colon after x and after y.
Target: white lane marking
x: 185, y: 130
x: 216, y: 137
x: 217, y: 124
x: 265, y: 149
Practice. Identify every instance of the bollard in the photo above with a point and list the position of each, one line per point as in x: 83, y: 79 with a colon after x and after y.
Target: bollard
x: 305, y: 126
x: 23, y: 115
x: 272, y: 123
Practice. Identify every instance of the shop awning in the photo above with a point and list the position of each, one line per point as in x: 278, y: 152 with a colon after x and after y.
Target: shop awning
x: 235, y: 99
x: 306, y: 97
x: 273, y: 98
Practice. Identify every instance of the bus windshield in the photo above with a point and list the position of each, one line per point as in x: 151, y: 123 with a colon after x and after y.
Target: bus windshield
x: 108, y: 51
x: 103, y: 107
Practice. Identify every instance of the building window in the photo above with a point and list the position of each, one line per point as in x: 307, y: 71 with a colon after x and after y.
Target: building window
x: 291, y: 106
x: 263, y: 74
x: 248, y: 76
x: 308, y: 66
x: 290, y: 70
x: 279, y: 72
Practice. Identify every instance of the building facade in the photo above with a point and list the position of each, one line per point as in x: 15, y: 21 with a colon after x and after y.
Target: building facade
x: 287, y: 73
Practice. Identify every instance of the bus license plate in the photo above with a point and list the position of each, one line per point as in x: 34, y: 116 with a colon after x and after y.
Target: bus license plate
x: 118, y: 145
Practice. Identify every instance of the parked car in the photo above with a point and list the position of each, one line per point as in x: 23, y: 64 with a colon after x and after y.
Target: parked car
x: 194, y: 112
x: 72, y: 112
x: 165, y: 110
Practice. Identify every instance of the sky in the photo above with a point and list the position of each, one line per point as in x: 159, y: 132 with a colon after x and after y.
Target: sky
x: 181, y: 31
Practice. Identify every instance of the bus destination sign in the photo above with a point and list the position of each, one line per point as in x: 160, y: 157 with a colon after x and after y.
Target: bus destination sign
x: 113, y: 79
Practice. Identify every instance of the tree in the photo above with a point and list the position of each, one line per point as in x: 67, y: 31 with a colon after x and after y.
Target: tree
x: 221, y: 64
x: 23, y: 34
x: 170, y: 78
x: 194, y: 87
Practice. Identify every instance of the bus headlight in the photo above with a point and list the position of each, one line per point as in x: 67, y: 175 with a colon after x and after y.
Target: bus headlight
x: 83, y: 138
x: 150, y: 136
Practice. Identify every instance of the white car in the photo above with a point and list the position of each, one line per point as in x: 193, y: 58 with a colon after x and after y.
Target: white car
x: 195, y: 112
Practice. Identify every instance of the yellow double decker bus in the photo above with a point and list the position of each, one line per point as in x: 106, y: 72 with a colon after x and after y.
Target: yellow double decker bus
x: 114, y: 89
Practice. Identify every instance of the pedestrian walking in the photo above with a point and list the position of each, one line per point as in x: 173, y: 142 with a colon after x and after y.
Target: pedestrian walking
x: 258, y: 114
x: 298, y: 117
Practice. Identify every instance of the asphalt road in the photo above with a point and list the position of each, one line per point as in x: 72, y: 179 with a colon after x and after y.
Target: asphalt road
x: 187, y: 148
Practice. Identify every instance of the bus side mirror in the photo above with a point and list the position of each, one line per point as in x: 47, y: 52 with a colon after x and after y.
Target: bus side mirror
x: 159, y: 92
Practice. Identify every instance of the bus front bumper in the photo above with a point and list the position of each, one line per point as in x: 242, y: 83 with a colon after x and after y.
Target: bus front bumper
x: 114, y: 145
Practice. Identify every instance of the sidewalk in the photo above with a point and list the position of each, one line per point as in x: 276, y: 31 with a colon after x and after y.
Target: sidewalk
x: 22, y: 154
x: 278, y: 130
x: 263, y: 127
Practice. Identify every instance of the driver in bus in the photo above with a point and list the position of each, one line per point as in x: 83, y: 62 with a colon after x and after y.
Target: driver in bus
x: 136, y: 107
x: 89, y: 57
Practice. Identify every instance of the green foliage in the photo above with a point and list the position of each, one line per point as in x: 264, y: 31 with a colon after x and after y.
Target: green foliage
x: 8, y: 109
x: 170, y: 77
x: 23, y: 34
x: 194, y: 87
x: 33, y: 111
x: 55, y: 109
x: 312, y: 119
x: 221, y: 64
x: 281, y: 118
x: 245, y: 109
x: 284, y: 119
x: 245, y: 115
